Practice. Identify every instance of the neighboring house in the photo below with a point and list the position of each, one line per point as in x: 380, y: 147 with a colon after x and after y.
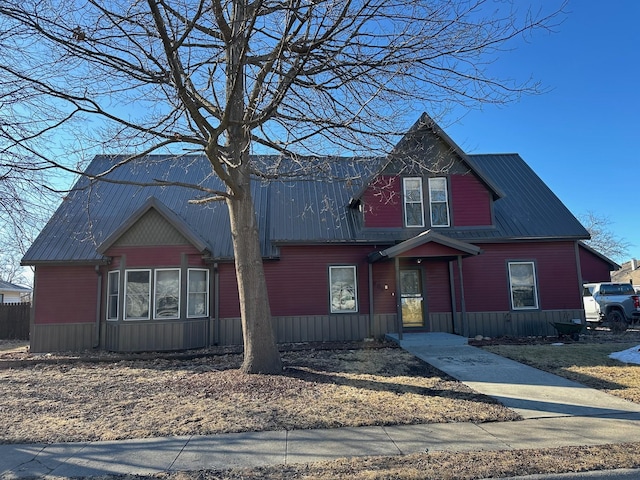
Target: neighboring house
x: 434, y: 240
x: 10, y: 293
x: 628, y: 272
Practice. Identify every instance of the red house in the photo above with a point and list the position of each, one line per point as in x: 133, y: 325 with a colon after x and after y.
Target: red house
x: 432, y: 240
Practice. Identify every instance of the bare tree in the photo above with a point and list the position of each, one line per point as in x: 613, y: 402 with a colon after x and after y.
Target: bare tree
x: 603, y: 238
x: 228, y: 78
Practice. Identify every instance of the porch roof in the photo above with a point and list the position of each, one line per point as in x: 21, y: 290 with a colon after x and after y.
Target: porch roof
x: 447, y: 247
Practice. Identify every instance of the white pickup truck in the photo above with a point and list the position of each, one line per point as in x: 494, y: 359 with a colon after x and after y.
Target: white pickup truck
x: 613, y: 304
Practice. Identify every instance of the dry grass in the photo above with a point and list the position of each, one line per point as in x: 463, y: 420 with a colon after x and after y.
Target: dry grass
x: 80, y: 400
x: 586, y: 363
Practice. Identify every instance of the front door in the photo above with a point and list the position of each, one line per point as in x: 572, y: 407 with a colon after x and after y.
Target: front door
x: 411, y: 298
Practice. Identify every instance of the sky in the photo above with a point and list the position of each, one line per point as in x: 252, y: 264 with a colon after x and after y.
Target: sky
x: 581, y: 136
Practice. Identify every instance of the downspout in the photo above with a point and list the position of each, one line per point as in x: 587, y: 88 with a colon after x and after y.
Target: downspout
x: 96, y: 342
x: 398, y: 299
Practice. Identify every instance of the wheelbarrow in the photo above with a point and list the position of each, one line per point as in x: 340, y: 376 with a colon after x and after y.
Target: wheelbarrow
x: 569, y: 329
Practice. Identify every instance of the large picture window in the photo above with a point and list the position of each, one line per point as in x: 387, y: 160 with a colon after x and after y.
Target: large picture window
x: 413, y: 205
x: 343, y: 289
x: 439, y: 202
x: 113, y: 295
x: 167, y: 293
x: 197, y: 293
x: 137, y: 294
x: 522, y: 281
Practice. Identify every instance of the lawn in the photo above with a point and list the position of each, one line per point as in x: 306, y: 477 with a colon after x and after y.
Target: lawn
x: 75, y: 399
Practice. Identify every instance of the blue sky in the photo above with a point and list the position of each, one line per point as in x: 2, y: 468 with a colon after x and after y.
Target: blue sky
x: 580, y: 137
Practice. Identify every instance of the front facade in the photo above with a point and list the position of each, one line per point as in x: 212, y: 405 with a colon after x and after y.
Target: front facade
x: 431, y: 240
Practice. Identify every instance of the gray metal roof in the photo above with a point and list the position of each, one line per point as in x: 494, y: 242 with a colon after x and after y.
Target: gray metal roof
x: 11, y: 287
x: 302, y: 210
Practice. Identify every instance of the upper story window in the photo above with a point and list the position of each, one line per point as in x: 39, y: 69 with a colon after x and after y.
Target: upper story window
x: 413, y: 205
x: 439, y: 202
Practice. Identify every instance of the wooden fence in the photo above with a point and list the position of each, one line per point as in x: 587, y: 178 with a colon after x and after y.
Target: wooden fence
x: 14, y: 321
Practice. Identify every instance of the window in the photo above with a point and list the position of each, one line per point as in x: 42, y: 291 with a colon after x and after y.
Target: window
x: 439, y: 202
x: 413, y: 207
x: 167, y: 293
x: 137, y: 294
x: 522, y: 279
x: 113, y: 293
x: 343, y: 289
x: 197, y: 293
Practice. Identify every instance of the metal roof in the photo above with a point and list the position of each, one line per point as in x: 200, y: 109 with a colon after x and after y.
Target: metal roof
x: 300, y: 210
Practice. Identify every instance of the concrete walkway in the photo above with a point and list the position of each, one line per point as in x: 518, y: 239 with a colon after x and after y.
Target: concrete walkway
x: 556, y: 412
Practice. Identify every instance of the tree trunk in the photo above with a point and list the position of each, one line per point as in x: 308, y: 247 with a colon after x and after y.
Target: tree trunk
x: 260, y: 349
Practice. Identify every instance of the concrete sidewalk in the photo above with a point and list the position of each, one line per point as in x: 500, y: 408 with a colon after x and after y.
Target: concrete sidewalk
x: 557, y: 413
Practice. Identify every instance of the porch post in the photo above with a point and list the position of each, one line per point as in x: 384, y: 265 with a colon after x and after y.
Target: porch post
x: 463, y: 307
x: 454, y: 304
x: 398, y: 298
x: 371, y: 317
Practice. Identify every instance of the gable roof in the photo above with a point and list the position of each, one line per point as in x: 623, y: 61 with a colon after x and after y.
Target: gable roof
x: 173, y: 219
x: 295, y: 211
x: 456, y: 247
x: 427, y: 127
x: 11, y: 287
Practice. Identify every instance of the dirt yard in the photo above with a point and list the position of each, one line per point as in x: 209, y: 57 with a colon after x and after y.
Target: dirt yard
x: 62, y: 399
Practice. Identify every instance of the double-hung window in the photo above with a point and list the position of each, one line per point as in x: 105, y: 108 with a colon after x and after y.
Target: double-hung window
x: 167, y: 293
x: 113, y: 295
x: 343, y: 291
x: 439, y: 202
x: 197, y: 293
x: 137, y: 297
x: 522, y: 283
x: 413, y: 205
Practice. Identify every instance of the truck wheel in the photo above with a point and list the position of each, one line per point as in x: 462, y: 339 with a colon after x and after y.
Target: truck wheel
x: 616, y: 321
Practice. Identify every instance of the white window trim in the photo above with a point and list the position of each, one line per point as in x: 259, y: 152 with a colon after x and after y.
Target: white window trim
x: 155, y: 292
x: 405, y: 202
x: 109, y: 276
x: 535, y: 285
x: 355, y: 288
x: 206, y: 292
x: 126, y: 287
x: 446, y: 202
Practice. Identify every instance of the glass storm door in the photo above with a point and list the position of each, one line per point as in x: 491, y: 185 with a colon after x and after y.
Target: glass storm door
x: 411, y: 298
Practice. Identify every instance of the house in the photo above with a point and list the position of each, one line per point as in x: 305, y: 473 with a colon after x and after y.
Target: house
x: 628, y: 272
x: 432, y: 239
x: 11, y: 293
x: 596, y: 267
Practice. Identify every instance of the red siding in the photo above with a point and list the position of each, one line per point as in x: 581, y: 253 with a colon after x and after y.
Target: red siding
x: 594, y: 269
x: 382, y: 202
x: 470, y: 202
x: 159, y: 256
x: 431, y: 249
x: 438, y: 290
x: 298, y: 283
x: 486, y: 282
x: 65, y: 294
